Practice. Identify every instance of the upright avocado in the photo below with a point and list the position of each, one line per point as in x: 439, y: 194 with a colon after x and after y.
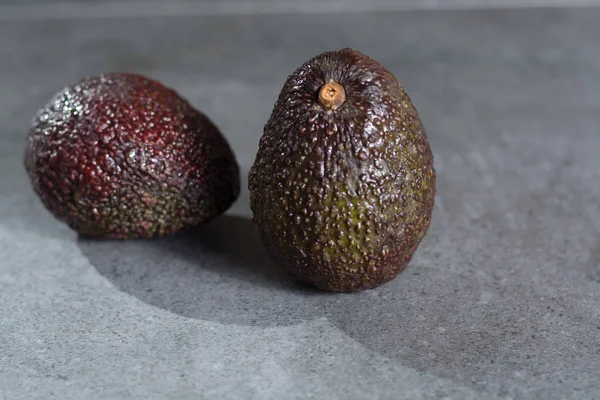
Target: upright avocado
x: 122, y: 156
x: 343, y: 185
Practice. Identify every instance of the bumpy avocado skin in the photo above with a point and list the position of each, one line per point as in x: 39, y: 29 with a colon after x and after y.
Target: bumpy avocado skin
x: 121, y: 156
x: 343, y: 197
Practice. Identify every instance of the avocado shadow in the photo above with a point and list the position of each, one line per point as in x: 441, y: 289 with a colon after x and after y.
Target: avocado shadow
x: 219, y: 271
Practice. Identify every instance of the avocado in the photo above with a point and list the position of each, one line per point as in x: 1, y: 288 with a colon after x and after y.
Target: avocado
x: 343, y: 185
x: 121, y: 156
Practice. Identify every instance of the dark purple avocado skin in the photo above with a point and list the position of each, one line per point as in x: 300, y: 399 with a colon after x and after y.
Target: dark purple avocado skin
x: 122, y: 156
x: 342, y: 198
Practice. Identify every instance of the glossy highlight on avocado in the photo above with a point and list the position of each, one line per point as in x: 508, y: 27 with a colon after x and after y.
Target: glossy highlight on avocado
x: 122, y: 156
x: 343, y: 185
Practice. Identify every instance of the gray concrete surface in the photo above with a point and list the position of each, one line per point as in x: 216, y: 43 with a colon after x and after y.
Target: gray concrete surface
x: 502, y: 299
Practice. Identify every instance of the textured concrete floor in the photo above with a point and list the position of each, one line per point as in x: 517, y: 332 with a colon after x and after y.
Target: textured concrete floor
x: 502, y: 299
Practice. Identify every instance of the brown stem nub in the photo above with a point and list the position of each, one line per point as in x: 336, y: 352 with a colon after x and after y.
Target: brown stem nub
x: 332, y: 95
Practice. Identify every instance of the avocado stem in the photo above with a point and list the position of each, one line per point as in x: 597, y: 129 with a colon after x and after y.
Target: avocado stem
x: 332, y: 95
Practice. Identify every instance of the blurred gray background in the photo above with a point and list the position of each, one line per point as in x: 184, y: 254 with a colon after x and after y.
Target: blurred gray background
x: 502, y: 298
x: 51, y: 9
